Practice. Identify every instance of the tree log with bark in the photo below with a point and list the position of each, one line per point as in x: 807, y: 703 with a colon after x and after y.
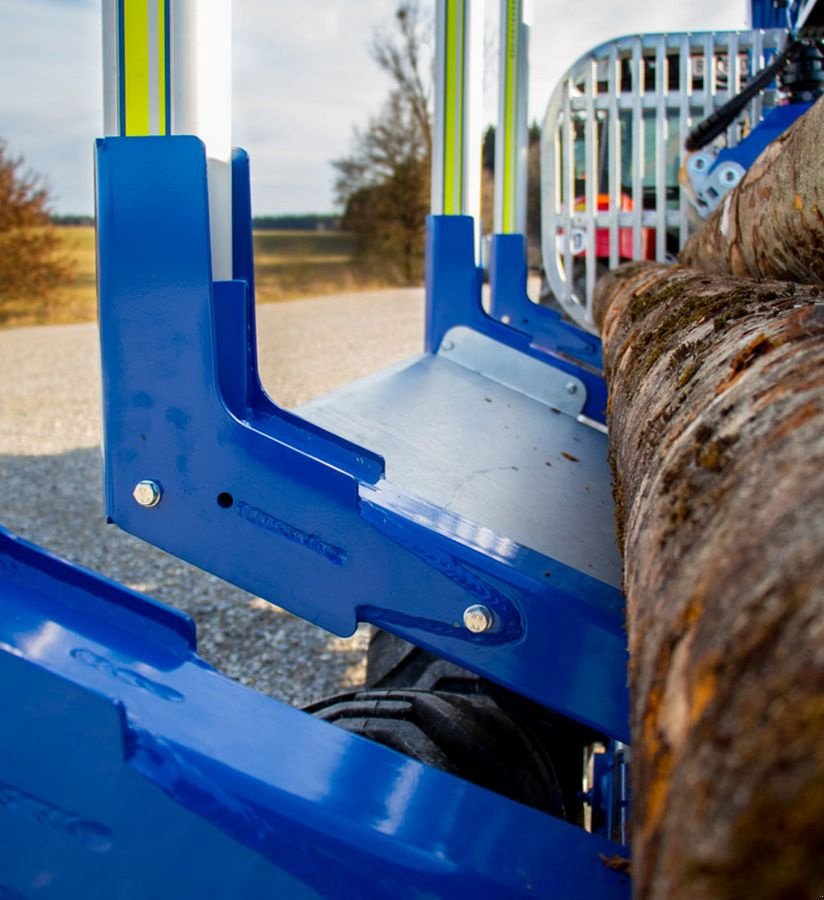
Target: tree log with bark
x: 772, y: 224
x: 717, y: 444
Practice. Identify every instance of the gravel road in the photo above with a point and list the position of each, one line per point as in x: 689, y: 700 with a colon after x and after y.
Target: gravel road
x: 50, y: 474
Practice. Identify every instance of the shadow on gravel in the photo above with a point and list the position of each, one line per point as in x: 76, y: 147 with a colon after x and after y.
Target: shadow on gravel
x: 55, y: 501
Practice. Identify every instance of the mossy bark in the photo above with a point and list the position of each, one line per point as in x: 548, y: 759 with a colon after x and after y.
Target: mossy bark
x: 772, y: 224
x: 716, y: 419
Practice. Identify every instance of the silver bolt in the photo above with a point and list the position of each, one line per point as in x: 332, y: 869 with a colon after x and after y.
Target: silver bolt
x: 147, y: 493
x: 571, y: 387
x: 448, y: 345
x: 478, y: 618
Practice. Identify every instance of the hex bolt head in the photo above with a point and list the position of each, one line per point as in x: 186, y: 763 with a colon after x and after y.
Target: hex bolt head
x: 571, y: 387
x: 147, y: 493
x: 478, y: 618
x: 448, y: 345
x: 697, y: 163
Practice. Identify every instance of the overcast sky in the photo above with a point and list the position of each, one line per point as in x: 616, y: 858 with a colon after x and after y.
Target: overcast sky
x: 303, y: 78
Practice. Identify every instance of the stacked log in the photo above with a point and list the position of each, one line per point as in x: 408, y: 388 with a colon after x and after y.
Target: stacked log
x: 717, y: 444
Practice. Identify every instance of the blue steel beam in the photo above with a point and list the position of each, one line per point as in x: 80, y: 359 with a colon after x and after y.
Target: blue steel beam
x: 130, y: 768
x: 767, y: 14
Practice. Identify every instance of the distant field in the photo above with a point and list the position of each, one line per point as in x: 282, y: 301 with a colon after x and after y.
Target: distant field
x: 304, y: 263
x: 288, y: 264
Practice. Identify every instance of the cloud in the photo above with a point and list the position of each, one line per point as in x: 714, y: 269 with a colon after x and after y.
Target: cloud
x: 303, y: 78
x: 50, y: 106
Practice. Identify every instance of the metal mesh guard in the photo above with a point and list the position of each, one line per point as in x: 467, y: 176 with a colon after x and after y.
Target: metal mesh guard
x: 612, y: 149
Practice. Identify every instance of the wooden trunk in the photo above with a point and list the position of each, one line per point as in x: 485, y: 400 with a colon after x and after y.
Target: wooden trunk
x: 717, y: 443
x: 772, y: 224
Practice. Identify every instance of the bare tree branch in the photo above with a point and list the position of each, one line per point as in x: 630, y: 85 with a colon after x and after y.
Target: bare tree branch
x: 383, y: 183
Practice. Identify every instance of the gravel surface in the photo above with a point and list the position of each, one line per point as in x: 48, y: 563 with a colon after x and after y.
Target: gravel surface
x: 50, y: 475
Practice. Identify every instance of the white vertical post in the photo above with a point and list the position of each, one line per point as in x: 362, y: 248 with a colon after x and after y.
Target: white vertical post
x: 511, y: 137
x: 456, y: 153
x: 201, y: 95
x: 167, y: 70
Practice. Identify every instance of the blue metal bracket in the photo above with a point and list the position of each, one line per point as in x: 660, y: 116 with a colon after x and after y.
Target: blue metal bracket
x: 775, y: 122
x: 609, y: 796
x: 453, y: 295
x: 510, y: 303
x: 285, y: 509
x: 767, y: 14
x: 130, y: 768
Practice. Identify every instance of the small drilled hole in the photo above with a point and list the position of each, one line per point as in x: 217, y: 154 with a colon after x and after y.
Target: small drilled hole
x: 225, y: 500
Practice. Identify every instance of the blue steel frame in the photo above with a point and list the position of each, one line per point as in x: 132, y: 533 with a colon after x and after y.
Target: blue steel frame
x: 174, y: 781
x: 130, y: 768
x: 453, y: 283
x: 311, y: 524
x: 509, y: 303
x: 767, y: 14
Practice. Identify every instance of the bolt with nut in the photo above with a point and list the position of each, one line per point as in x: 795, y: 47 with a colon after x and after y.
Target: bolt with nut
x: 147, y: 493
x: 478, y: 618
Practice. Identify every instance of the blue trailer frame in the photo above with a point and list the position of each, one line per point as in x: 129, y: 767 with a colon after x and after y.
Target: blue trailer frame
x: 164, y: 761
x: 130, y: 768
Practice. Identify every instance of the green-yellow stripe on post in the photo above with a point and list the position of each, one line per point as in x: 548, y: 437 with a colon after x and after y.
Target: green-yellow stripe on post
x: 512, y: 35
x: 144, y: 67
x: 162, y: 68
x: 453, y: 107
x: 136, y: 65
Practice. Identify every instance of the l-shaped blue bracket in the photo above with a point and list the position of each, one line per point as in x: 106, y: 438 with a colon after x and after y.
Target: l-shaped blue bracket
x: 510, y: 303
x: 453, y: 286
x: 282, y: 508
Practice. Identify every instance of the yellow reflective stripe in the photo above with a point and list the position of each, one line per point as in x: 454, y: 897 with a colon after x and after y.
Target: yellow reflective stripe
x: 144, y: 64
x: 162, y: 87
x: 453, y: 108
x: 136, y: 59
x: 510, y: 123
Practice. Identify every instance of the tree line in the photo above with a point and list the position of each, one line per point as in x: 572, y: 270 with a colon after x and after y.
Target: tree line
x: 32, y: 262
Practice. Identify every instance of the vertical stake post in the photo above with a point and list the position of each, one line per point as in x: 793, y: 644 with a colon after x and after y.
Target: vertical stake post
x: 511, y: 138
x: 456, y: 154
x: 167, y: 69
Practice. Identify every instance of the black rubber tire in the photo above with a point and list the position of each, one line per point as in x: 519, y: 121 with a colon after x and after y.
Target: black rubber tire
x: 392, y: 662
x: 446, y: 716
x: 469, y: 736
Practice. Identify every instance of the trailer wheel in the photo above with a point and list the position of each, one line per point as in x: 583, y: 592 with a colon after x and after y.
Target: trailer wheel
x: 392, y: 662
x: 471, y: 737
x: 446, y: 716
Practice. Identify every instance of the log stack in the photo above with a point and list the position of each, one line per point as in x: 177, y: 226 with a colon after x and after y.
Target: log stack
x: 716, y: 418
